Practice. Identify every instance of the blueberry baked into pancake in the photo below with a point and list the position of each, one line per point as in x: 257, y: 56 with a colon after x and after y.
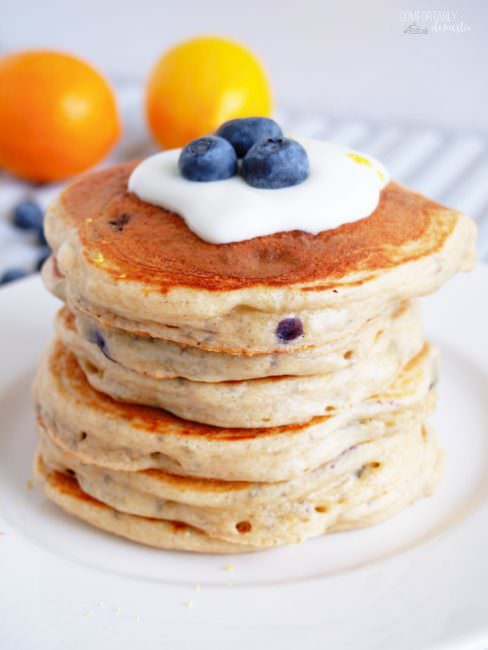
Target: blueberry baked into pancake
x: 240, y: 361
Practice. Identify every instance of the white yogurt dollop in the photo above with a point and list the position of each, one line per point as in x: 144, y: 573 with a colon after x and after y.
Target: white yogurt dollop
x: 343, y: 186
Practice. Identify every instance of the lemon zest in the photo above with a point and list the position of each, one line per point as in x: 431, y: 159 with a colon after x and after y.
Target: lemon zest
x: 362, y: 160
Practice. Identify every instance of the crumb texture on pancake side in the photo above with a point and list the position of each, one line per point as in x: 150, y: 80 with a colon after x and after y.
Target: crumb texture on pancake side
x: 100, y: 430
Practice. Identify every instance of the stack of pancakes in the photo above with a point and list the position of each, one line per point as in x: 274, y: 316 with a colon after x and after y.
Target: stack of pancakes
x: 226, y: 398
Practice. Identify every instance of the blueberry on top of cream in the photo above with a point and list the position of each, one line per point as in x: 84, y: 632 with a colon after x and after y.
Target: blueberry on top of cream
x: 208, y: 159
x: 275, y: 163
x: 245, y: 132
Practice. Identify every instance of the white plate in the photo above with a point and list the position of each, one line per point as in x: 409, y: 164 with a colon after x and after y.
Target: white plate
x: 418, y: 581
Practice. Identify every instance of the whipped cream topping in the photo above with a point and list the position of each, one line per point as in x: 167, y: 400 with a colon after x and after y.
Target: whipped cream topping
x: 343, y: 186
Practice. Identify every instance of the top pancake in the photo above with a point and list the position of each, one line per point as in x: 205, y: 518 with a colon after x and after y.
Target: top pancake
x: 126, y: 241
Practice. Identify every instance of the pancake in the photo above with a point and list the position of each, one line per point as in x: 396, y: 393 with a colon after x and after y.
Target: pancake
x: 242, y: 332
x: 229, y: 398
x: 266, y: 402
x: 161, y: 359
x: 355, y: 489
x: 140, y: 268
x: 65, y: 492
x: 99, y: 430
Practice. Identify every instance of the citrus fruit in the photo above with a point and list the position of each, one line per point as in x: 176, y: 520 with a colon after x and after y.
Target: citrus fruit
x: 201, y: 83
x: 58, y: 115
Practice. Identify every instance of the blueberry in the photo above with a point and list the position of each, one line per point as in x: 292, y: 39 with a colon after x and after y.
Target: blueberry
x: 12, y: 274
x: 289, y: 329
x: 243, y: 133
x: 95, y: 336
x: 274, y: 163
x: 208, y: 159
x: 119, y: 222
x: 41, y: 237
x: 45, y: 253
x: 28, y: 215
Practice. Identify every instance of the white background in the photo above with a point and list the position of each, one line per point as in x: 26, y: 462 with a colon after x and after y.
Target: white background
x: 344, y: 58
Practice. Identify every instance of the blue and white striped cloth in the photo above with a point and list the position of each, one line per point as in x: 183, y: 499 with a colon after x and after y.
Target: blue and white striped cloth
x: 451, y: 167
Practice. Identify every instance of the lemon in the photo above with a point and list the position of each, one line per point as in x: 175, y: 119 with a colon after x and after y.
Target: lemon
x: 201, y: 83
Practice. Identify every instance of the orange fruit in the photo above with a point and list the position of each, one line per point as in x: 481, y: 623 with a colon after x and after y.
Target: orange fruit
x: 201, y: 83
x: 58, y: 115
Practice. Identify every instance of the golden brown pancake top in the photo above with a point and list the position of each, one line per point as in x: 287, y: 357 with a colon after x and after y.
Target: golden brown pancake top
x: 133, y: 240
